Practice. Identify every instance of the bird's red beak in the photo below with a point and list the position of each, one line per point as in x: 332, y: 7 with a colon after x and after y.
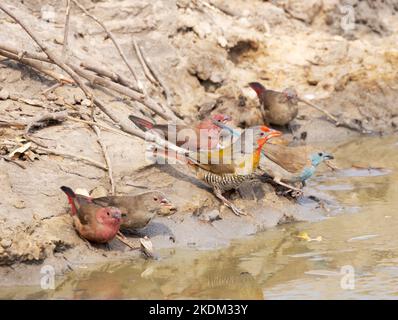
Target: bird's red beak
x: 273, y: 134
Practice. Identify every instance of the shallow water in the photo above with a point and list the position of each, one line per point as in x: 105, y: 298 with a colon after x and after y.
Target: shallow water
x: 355, y: 258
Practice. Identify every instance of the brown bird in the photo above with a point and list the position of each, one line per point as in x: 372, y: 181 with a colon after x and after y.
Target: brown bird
x: 290, y: 165
x: 278, y: 108
x: 94, y: 222
x: 202, y: 136
x: 138, y: 210
x: 226, y: 169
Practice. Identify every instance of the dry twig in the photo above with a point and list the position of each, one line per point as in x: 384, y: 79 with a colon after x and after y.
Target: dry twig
x: 45, y: 119
x: 73, y: 156
x: 35, y: 65
x: 147, y: 72
x: 110, y: 35
x: 12, y: 161
x: 106, y: 157
x: 337, y: 122
x: 65, y: 47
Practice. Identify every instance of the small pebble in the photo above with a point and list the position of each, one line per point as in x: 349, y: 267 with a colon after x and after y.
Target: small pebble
x: 4, y: 94
x: 6, y: 243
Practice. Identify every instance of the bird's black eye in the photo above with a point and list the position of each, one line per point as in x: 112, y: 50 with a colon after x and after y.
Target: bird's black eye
x: 320, y: 154
x: 262, y: 134
x: 107, y: 213
x: 155, y: 198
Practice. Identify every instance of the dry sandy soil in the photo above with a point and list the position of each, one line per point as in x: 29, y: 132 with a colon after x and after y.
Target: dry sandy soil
x: 206, y: 53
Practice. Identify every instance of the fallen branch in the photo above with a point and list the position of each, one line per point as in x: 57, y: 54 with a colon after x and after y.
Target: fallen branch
x: 115, y: 77
x: 44, y: 120
x: 12, y: 123
x: 35, y: 65
x: 12, y: 161
x: 337, y: 122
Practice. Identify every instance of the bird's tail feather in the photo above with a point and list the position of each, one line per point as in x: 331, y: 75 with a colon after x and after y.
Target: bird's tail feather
x: 141, y: 123
x: 71, y: 198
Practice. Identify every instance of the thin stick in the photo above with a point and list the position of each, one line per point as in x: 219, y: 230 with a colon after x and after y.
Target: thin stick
x: 336, y: 121
x: 151, y: 75
x: 35, y: 56
x: 115, y: 77
x: 52, y: 88
x: 36, y: 65
x: 127, y: 243
x: 329, y: 115
x: 73, y: 156
x: 65, y: 47
x: 147, y: 72
x: 106, y: 157
x: 110, y: 35
x: 145, y: 100
x: 158, y: 79
x: 12, y: 161
x: 101, y: 126
x: 12, y: 123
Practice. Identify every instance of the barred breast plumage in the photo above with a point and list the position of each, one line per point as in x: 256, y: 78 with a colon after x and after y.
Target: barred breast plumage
x: 224, y: 182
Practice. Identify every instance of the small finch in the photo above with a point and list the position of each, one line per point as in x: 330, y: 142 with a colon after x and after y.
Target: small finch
x: 94, y: 222
x: 138, y: 210
x: 278, y: 108
x: 202, y: 136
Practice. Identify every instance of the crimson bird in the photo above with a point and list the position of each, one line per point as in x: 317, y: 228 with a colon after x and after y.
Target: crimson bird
x: 278, y: 108
x: 202, y: 136
x: 94, y: 222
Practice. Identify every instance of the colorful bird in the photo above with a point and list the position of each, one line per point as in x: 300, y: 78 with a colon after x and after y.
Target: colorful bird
x: 278, y: 108
x: 138, y: 210
x: 226, y: 169
x: 202, y: 136
x: 94, y: 222
x: 287, y: 165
